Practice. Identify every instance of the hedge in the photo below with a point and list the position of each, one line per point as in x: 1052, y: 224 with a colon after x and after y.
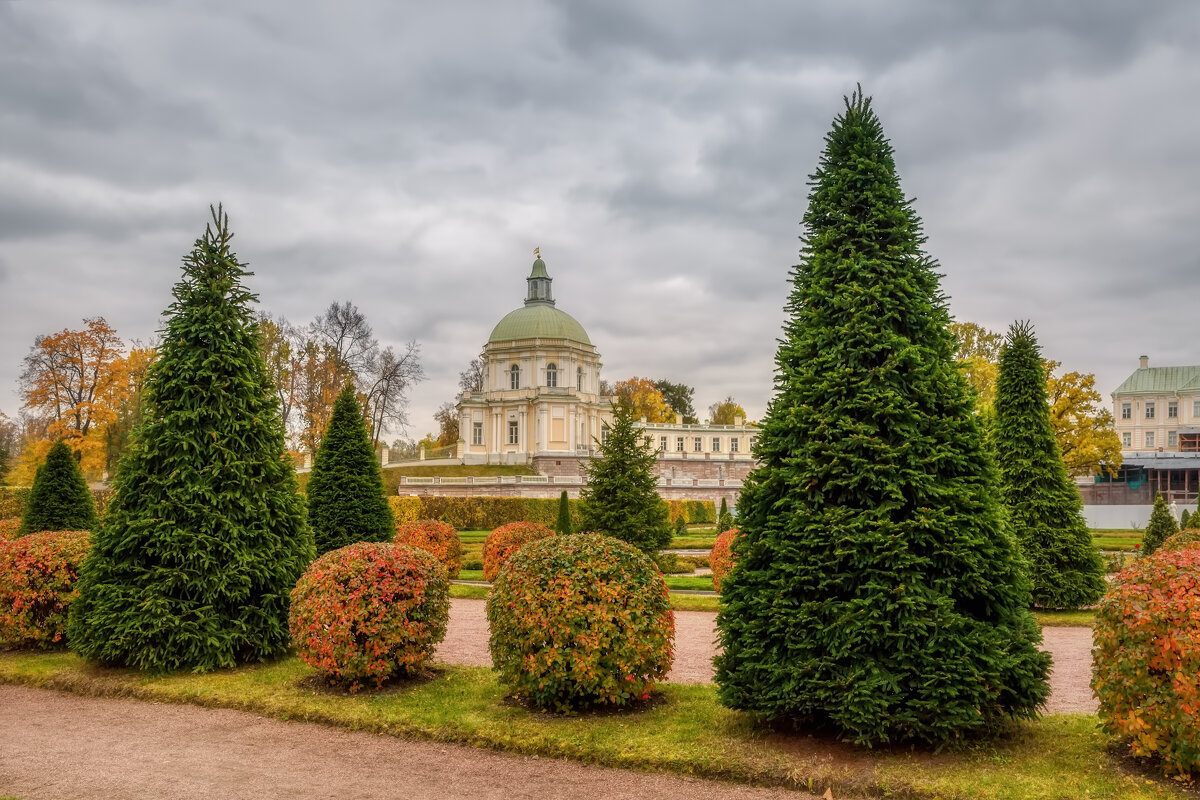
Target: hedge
x: 13, y: 500
x: 489, y: 513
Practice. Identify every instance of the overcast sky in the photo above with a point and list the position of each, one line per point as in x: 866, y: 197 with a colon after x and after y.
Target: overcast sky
x: 408, y: 157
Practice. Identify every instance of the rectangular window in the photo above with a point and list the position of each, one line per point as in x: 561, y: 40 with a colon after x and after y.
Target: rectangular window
x: 733, y: 444
x: 716, y: 444
x: 648, y: 441
x: 1126, y: 410
x: 662, y: 444
x: 514, y: 432
x: 698, y: 444
x: 476, y: 433
x: 1149, y: 409
x: 751, y: 444
x: 1127, y: 439
x: 1196, y: 409
x: 1172, y: 439
x: 1149, y: 438
x: 1172, y: 409
x: 678, y: 444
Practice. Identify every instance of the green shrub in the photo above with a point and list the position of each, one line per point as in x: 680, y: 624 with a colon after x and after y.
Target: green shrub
x: 60, y: 499
x: 369, y: 612
x: 1161, y: 527
x: 1146, y: 660
x: 1115, y: 562
x: 562, y: 525
x: 724, y: 518
x: 578, y: 621
x: 669, y: 563
x: 1189, y: 538
x: 37, y: 586
x: 436, y: 537
x: 480, y: 513
x: 506, y: 540
x: 720, y: 557
x: 1184, y: 519
x: 680, y: 527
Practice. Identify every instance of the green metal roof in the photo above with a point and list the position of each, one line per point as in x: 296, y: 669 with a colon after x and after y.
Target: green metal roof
x: 1160, y: 380
x: 539, y: 321
x: 539, y: 270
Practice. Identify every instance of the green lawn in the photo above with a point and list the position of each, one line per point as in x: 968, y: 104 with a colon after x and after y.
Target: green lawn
x: 690, y: 582
x: 683, y: 730
x: 692, y: 542
x: 1122, y: 540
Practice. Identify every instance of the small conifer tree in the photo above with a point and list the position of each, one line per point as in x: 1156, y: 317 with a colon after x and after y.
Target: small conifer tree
x: 620, y: 498
x: 60, y: 499
x: 681, y: 528
x: 345, y: 491
x: 1185, y: 520
x: 205, y: 535
x: 874, y: 590
x: 1045, y: 512
x: 563, y: 525
x: 1160, y: 527
x: 724, y: 518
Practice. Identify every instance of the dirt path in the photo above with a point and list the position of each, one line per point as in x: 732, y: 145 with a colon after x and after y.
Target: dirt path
x: 55, y: 745
x: 695, y: 636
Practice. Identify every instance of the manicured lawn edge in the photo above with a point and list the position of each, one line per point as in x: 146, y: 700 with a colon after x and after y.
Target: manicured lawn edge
x: 685, y: 732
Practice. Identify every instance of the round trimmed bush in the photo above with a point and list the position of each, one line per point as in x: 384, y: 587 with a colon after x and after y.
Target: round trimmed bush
x: 720, y: 558
x: 37, y: 586
x: 1146, y: 660
x: 435, y: 537
x: 369, y: 611
x: 506, y: 540
x: 580, y: 620
x: 1189, y: 538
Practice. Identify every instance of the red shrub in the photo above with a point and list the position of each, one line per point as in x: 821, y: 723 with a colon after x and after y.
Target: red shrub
x: 1146, y: 661
x: 9, y: 528
x: 369, y: 611
x: 580, y: 620
x: 506, y: 540
x: 1189, y: 538
x: 37, y: 585
x: 720, y: 558
x: 435, y: 537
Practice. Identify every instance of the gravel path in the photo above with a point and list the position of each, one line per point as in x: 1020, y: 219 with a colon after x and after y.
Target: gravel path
x: 55, y: 745
x: 695, y: 637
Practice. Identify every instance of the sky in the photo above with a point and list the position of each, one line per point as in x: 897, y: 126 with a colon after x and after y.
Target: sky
x: 409, y: 157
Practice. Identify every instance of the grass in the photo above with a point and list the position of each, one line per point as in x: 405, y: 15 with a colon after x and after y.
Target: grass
x: 1122, y: 540
x: 684, y: 730
x: 1085, y: 617
x: 692, y: 542
x: 690, y: 582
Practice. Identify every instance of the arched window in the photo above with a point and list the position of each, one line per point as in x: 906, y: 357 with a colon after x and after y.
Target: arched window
x: 551, y: 375
x: 514, y: 377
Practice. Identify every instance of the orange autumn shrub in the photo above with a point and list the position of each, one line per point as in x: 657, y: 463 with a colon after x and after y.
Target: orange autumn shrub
x: 580, y: 620
x: 1187, y: 538
x: 9, y: 528
x: 1146, y: 659
x: 506, y: 540
x: 37, y: 586
x: 369, y: 612
x: 720, y: 558
x: 435, y: 537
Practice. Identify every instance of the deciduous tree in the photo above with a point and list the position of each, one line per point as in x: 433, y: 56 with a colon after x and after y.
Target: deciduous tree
x: 447, y: 420
x: 1083, y: 427
x: 725, y: 412
x: 680, y: 398
x: 643, y: 399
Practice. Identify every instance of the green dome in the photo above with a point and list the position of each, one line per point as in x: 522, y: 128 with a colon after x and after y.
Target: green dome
x: 539, y: 321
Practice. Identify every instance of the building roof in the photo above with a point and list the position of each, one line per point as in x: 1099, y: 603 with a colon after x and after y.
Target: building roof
x: 1160, y: 380
x: 539, y: 321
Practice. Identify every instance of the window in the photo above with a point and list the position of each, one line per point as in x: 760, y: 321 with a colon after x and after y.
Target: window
x: 752, y: 444
x: 1126, y: 410
x: 698, y: 444
x: 662, y: 444
x: 579, y: 378
x: 716, y: 444
x: 604, y: 433
x: 476, y: 433
x: 649, y: 441
x: 514, y: 377
x: 1127, y: 439
x: 514, y: 432
x: 1172, y: 439
x: 733, y: 444
x: 1195, y: 408
x: 1149, y: 438
x: 552, y: 375
x: 678, y: 444
x: 1149, y: 409
x: 1172, y: 409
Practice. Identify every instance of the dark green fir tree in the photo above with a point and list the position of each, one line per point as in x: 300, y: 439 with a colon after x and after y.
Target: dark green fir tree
x: 1161, y: 526
x: 1185, y: 520
x: 205, y: 535
x: 724, y: 518
x: 562, y: 526
x: 60, y: 499
x: 345, y: 491
x: 620, y: 498
x: 681, y: 528
x: 875, y: 591
x: 1045, y: 511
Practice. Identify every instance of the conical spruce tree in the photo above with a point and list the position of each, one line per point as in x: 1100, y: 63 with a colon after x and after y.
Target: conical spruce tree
x: 1185, y: 519
x: 1161, y: 526
x: 620, y: 498
x: 345, y: 491
x: 724, y: 518
x: 562, y: 526
x: 875, y: 590
x: 205, y: 536
x: 60, y: 499
x: 1045, y: 511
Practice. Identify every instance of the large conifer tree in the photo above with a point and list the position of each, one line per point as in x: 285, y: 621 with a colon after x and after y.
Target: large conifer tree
x: 60, y: 499
x: 875, y: 590
x: 345, y: 492
x: 205, y: 535
x: 1044, y: 507
x: 620, y: 498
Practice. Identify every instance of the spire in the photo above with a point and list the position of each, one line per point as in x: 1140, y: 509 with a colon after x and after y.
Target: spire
x: 539, y: 282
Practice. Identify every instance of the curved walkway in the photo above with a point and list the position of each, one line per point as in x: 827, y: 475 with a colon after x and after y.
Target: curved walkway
x: 695, y: 638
